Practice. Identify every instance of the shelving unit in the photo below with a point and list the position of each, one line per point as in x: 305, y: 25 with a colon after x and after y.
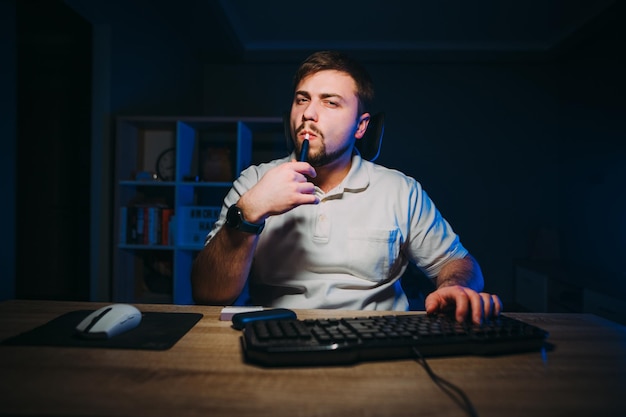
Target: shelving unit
x: 209, y: 153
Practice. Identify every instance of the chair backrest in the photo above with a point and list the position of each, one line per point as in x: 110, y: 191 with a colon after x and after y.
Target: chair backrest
x: 369, y: 145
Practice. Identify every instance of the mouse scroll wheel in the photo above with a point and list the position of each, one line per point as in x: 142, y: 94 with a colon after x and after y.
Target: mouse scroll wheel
x: 96, y: 319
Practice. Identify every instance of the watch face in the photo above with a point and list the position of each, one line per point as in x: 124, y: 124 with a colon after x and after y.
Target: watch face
x: 233, y: 218
x: 166, y: 165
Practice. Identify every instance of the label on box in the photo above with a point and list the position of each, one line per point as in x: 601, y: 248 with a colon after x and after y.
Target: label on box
x: 195, y: 223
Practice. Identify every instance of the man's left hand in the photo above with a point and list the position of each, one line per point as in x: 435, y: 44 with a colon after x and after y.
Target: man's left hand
x: 463, y: 301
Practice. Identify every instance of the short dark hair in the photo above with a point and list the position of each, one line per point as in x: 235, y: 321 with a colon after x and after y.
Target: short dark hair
x: 338, y: 61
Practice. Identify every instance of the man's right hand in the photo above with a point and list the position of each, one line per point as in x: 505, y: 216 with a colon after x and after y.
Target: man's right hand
x: 281, y: 189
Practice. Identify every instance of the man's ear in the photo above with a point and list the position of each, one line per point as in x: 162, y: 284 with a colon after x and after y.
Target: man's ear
x: 364, y: 121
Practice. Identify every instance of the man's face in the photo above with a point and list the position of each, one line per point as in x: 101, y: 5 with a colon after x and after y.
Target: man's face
x: 326, y: 107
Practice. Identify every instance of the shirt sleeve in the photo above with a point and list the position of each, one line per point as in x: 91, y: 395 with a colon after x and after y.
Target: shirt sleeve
x: 432, y: 243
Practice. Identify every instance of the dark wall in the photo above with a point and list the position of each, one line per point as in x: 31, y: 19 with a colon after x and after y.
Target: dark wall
x: 154, y: 69
x: 144, y: 64
x: 481, y: 138
x: 592, y: 201
x: 48, y: 50
x: 506, y: 150
x: 8, y: 157
x: 509, y: 151
x: 53, y: 151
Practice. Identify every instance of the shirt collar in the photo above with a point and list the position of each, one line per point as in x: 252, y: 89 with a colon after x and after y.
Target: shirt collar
x: 357, y: 180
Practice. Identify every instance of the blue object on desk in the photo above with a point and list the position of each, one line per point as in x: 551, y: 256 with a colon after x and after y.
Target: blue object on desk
x: 241, y: 319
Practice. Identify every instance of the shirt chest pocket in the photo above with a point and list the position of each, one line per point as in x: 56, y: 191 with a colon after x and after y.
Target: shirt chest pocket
x: 371, y: 252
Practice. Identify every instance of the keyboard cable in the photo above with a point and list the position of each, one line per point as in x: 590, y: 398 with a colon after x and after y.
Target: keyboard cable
x: 454, y: 392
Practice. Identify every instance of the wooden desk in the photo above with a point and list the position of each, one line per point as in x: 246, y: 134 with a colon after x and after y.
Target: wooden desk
x: 203, y: 375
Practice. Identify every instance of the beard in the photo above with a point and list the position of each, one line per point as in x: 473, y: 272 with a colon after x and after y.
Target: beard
x: 322, y: 157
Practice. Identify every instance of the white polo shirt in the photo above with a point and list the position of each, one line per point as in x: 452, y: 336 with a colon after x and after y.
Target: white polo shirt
x: 348, y: 251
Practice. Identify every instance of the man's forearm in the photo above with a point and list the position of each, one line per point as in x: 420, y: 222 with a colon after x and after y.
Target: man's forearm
x: 464, y: 272
x: 220, y: 270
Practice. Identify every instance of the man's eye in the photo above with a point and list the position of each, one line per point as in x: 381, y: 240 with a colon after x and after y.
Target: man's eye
x: 301, y: 100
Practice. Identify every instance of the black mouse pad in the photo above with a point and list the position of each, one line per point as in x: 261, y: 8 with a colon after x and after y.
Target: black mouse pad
x: 157, y: 331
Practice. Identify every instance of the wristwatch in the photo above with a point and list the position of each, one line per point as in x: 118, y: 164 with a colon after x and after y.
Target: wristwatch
x: 235, y: 220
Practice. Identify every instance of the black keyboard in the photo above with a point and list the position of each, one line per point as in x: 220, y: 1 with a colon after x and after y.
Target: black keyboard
x: 295, y: 342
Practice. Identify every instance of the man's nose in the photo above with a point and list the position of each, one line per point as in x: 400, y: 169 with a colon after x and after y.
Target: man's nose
x: 310, y: 112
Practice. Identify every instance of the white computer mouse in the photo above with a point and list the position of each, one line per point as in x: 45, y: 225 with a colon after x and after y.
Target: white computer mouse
x: 109, y: 321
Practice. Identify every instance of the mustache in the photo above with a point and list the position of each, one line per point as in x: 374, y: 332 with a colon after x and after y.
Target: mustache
x: 312, y: 128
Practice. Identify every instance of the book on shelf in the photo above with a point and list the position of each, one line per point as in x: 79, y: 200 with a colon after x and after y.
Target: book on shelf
x: 145, y: 224
x: 167, y: 215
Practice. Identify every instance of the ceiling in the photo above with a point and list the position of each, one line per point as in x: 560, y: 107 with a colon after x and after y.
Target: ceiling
x: 253, y: 30
x: 371, y: 30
